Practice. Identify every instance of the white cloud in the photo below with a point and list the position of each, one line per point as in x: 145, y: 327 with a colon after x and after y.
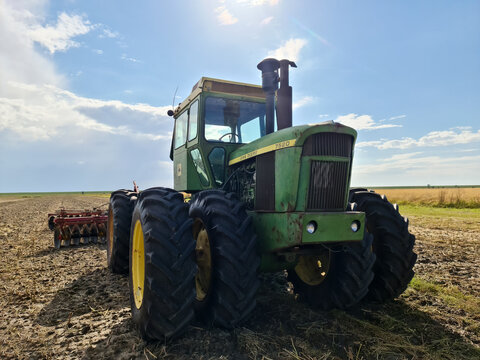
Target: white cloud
x: 54, y: 140
x: 289, y: 50
x: 322, y: 116
x: 224, y: 16
x: 413, y: 164
x: 397, y: 117
x: 302, y: 102
x: 98, y: 51
x: 434, y: 138
x: 266, y: 21
x: 46, y: 112
x: 59, y: 37
x: 362, y: 122
x: 18, y: 59
x: 417, y: 168
x: 108, y: 33
x: 131, y: 59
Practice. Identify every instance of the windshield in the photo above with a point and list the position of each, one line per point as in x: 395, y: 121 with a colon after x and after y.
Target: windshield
x: 234, y: 121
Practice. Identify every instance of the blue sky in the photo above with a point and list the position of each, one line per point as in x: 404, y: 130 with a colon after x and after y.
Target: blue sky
x: 85, y: 85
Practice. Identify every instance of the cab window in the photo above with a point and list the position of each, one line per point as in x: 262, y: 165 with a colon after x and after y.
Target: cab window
x: 234, y: 121
x: 193, y: 118
x: 181, y: 130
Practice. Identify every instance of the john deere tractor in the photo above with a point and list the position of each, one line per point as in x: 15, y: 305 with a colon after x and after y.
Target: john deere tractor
x: 252, y: 193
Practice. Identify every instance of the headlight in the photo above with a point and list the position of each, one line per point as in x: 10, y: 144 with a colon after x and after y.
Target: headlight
x: 311, y: 227
x: 355, y: 226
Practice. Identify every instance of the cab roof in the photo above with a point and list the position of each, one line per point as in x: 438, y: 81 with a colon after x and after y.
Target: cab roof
x: 212, y: 85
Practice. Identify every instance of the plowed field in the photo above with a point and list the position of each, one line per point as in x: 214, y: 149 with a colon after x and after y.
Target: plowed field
x: 65, y: 304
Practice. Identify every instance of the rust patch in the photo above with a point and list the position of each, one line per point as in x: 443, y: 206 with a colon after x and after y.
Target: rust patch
x: 290, y: 207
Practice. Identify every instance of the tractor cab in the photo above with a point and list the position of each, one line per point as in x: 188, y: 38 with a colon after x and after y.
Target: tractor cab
x: 217, y: 118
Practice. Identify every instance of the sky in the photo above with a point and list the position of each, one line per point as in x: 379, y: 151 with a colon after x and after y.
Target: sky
x: 85, y: 86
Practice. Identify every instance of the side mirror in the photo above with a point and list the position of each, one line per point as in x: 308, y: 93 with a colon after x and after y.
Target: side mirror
x: 170, y: 112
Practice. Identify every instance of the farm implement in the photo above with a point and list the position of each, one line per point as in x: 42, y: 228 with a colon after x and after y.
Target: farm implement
x: 77, y: 226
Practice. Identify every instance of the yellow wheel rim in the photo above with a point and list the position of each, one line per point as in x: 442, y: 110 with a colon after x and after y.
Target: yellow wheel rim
x: 110, y: 231
x: 138, y: 264
x: 313, y: 269
x: 203, y: 255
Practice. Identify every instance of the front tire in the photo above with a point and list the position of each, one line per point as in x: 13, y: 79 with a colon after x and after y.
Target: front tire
x: 335, y: 278
x: 162, y: 264
x: 393, y: 244
x: 120, y: 212
x: 227, y: 259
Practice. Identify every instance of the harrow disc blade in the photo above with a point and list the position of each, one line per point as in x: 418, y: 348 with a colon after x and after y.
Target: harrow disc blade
x: 85, y: 235
x: 56, y: 238
x: 94, y: 234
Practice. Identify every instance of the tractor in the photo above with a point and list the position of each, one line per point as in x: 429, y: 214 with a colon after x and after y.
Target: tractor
x: 264, y: 196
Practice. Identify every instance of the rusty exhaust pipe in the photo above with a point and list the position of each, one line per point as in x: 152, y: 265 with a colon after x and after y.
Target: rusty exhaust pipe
x: 284, y: 96
x: 269, y: 68
x: 270, y: 79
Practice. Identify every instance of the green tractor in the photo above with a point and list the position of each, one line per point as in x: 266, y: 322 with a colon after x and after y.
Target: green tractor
x: 252, y: 193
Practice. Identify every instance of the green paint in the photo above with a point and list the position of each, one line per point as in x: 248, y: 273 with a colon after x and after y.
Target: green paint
x: 279, y: 231
x: 287, y: 170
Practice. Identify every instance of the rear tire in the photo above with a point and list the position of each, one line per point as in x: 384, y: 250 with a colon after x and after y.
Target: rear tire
x: 393, y: 245
x: 118, y: 230
x: 162, y: 264
x: 230, y: 296
x: 341, y: 278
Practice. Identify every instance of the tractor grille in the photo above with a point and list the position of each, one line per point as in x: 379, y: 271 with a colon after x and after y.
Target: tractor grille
x: 328, y: 144
x: 327, y: 185
x: 265, y: 182
x: 328, y: 179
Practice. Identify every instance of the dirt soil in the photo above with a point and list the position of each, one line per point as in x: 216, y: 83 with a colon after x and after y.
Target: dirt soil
x: 65, y: 304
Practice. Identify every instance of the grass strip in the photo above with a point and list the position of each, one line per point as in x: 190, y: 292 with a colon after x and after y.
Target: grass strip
x: 449, y: 294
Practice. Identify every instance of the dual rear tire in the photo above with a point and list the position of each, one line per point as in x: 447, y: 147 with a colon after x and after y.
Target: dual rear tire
x: 187, y: 262
x: 120, y: 212
x: 162, y: 264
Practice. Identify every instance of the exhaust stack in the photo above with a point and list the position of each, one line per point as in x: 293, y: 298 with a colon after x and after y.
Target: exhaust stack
x: 284, y: 96
x: 269, y: 68
x: 270, y: 79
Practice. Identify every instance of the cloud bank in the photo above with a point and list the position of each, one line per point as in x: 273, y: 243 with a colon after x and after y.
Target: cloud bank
x: 454, y: 136
x: 363, y: 122
x: 289, y: 50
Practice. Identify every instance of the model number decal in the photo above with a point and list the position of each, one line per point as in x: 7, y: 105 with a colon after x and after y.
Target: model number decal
x: 273, y: 147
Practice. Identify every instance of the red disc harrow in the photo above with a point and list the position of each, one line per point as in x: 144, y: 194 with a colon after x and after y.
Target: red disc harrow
x: 72, y: 227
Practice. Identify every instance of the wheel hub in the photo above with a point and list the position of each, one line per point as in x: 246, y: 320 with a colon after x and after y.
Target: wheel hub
x: 138, y: 264
x: 110, y: 232
x: 204, y: 260
x: 313, y: 269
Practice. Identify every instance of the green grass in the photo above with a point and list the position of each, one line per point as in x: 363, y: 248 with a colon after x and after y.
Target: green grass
x: 443, y: 204
x: 419, y: 210
x: 450, y: 295
x: 442, y: 218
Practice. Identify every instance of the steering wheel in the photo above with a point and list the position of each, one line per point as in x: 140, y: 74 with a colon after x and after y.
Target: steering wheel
x: 230, y: 133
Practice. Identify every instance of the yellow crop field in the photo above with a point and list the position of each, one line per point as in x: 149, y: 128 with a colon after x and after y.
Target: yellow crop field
x: 441, y: 197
